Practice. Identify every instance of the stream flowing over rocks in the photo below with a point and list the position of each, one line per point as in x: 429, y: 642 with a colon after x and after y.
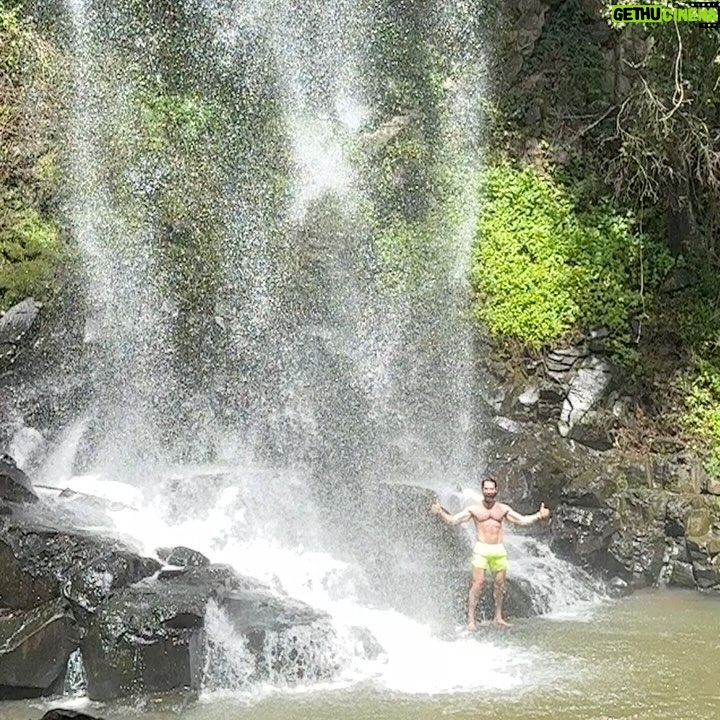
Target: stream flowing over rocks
x: 139, y: 625
x: 139, y: 622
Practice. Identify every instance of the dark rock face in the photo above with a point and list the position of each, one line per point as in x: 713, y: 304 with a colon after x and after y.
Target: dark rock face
x: 583, y: 533
x: 150, y: 637
x: 182, y: 557
x: 34, y: 650
x: 15, y: 485
x: 62, y: 714
x: 286, y: 638
x: 146, y: 638
x: 576, y: 389
x: 39, y: 564
x: 15, y: 324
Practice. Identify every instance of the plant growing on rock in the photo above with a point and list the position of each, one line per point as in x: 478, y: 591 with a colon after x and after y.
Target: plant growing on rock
x: 542, y: 268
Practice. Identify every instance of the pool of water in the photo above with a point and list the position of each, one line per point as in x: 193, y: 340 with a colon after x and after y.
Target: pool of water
x: 653, y: 655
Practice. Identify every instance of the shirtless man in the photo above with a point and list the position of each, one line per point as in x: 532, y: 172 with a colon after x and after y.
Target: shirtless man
x: 489, y: 552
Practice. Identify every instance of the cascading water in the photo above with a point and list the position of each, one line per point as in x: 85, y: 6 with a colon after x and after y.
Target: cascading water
x: 291, y: 335
x: 126, y: 316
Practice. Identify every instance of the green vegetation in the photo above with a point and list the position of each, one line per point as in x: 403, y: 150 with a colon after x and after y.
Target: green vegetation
x: 542, y: 268
x: 613, y: 192
x: 31, y: 250
x: 175, y: 120
x: 702, y: 418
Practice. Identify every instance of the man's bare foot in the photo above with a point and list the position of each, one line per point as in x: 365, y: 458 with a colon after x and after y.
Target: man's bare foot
x: 502, y: 623
x: 472, y: 627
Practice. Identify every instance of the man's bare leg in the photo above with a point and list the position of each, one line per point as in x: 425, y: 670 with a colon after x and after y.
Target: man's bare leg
x: 478, y: 578
x: 499, y: 592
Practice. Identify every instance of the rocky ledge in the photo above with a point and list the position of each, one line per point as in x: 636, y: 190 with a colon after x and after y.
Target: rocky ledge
x: 639, y: 518
x: 140, y: 626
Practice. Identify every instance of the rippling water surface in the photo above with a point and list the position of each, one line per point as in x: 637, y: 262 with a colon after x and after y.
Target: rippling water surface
x: 655, y: 655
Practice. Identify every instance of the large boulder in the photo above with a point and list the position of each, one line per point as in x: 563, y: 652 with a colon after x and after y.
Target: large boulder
x: 151, y: 637
x: 41, y: 563
x: 65, y: 714
x: 146, y: 638
x: 583, y: 418
x: 34, y: 650
x: 15, y: 485
x: 181, y: 556
x: 583, y: 534
x: 288, y: 641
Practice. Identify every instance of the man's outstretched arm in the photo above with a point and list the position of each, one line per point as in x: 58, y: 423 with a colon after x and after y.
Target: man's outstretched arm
x: 542, y: 514
x: 437, y: 509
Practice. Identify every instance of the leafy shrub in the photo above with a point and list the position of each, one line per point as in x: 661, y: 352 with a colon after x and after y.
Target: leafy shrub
x: 30, y: 245
x: 541, y: 268
x: 702, y: 418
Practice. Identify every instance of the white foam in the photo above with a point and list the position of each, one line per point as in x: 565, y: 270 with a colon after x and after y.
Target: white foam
x: 413, y: 660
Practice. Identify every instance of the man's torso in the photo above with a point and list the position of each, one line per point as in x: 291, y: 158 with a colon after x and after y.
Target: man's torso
x: 488, y: 522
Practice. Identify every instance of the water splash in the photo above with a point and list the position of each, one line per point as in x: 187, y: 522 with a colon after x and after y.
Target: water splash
x: 75, y: 677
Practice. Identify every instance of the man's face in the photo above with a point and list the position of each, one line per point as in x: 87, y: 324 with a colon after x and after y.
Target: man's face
x: 489, y: 491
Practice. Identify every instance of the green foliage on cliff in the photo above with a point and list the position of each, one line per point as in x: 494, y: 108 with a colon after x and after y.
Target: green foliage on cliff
x: 31, y: 251
x: 542, y: 268
x: 702, y: 418
x: 175, y: 119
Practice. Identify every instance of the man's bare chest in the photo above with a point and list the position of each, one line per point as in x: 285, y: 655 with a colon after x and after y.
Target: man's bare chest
x: 483, y: 515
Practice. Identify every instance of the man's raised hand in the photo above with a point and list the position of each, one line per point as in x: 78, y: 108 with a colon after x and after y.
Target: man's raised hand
x: 436, y: 508
x: 543, y: 513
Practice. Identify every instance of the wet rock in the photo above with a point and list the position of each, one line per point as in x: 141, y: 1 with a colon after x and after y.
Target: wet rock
x: 585, y: 391
x: 146, y: 638
x: 405, y: 534
x: 698, y: 522
x: 637, y: 557
x: 15, y: 324
x: 530, y: 394
x: 39, y: 564
x: 15, y: 485
x: 584, y: 534
x: 258, y: 610
x: 617, y: 587
x: 34, y: 650
x: 63, y: 714
x: 182, y: 557
x: 590, y: 488
x: 289, y: 640
x: 681, y: 575
x: 681, y: 473
x: 677, y: 512
x: 713, y: 486
x: 637, y: 549
x: 150, y: 637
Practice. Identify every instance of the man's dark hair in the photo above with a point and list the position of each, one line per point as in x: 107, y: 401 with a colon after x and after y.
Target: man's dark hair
x: 490, y: 480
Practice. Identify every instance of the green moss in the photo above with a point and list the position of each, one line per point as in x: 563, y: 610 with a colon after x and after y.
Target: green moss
x: 174, y: 119
x: 30, y: 253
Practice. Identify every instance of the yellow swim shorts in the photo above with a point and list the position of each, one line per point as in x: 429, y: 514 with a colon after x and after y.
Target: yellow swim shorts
x: 489, y: 557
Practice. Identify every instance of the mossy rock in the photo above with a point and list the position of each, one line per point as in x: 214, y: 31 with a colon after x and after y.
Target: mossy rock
x: 31, y: 252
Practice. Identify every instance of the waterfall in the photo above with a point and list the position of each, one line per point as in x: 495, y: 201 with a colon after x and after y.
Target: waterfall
x: 275, y: 204
x: 126, y: 315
